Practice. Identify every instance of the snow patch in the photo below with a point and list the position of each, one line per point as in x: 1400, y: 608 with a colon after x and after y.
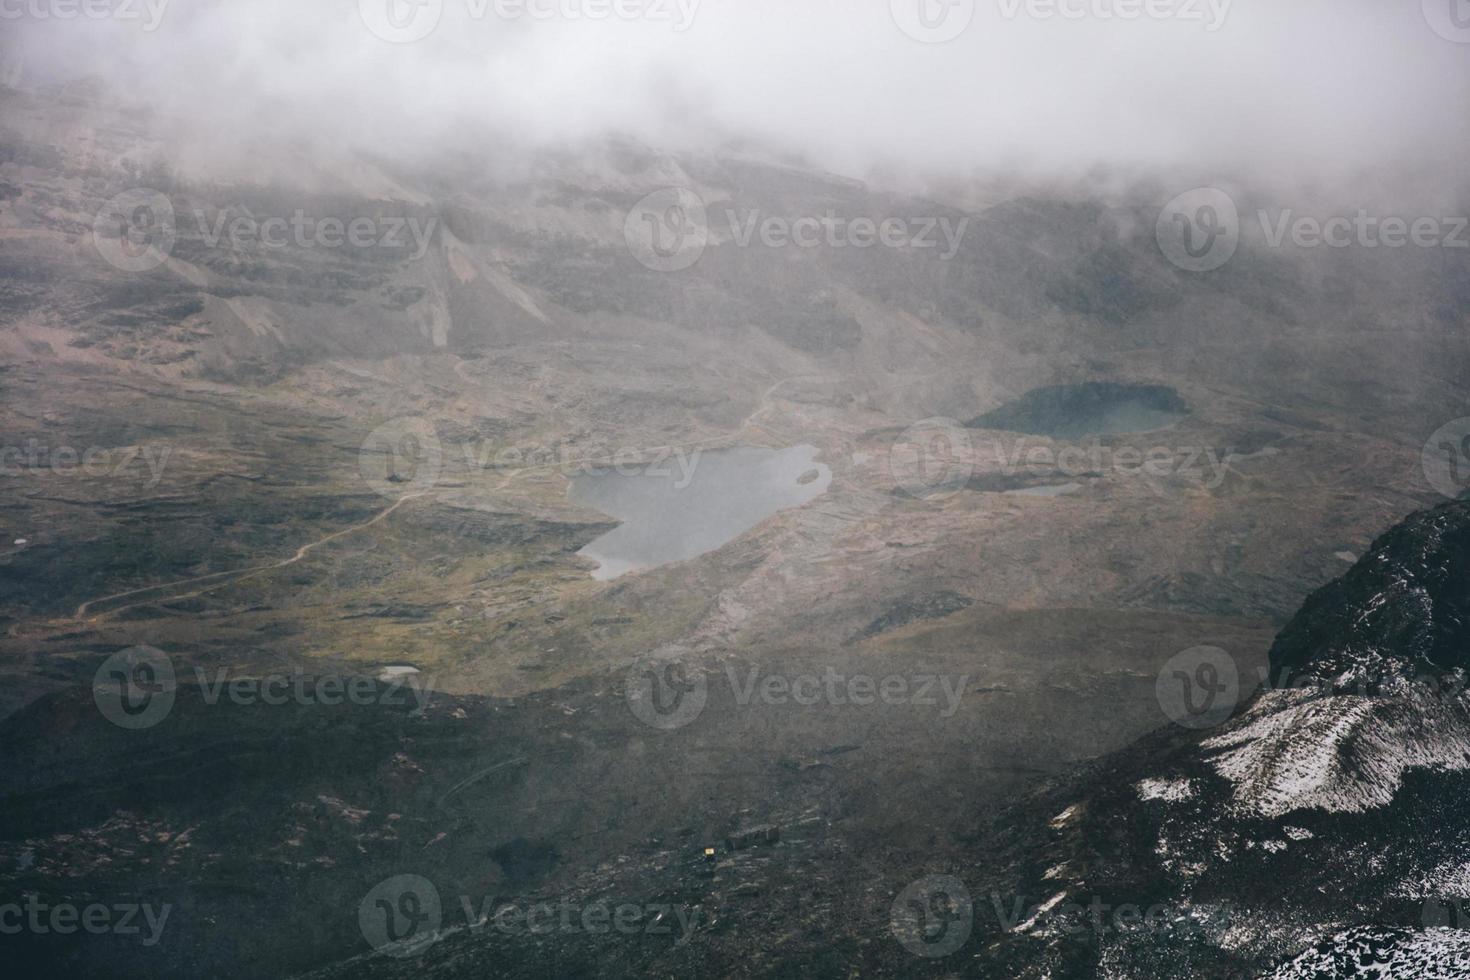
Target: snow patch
x: 1451, y: 880
x: 1065, y: 817
x: 1296, y: 750
x: 1168, y: 790
x: 1388, y: 953
x: 1041, y: 910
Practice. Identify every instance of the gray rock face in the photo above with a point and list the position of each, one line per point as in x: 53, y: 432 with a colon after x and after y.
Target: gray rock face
x: 1400, y: 613
x: 1326, y: 804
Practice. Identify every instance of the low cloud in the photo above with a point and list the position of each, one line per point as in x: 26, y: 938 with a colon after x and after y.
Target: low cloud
x: 1312, y: 92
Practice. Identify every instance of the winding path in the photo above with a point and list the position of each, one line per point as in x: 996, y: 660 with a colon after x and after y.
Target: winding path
x: 222, y: 578
x: 240, y: 573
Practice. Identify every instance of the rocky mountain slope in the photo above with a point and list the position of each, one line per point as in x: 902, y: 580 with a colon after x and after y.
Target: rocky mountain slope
x: 1316, y: 833
x: 230, y: 391
x: 1320, y: 825
x: 1313, y: 833
x: 241, y: 406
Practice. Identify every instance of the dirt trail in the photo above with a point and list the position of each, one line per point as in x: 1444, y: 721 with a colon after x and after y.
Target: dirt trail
x: 222, y: 578
x: 239, y: 573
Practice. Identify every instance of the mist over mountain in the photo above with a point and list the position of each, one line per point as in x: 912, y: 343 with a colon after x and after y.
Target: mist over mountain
x: 1377, y: 98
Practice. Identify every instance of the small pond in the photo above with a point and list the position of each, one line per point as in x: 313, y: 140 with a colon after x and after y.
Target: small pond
x: 1094, y: 408
x: 680, y: 509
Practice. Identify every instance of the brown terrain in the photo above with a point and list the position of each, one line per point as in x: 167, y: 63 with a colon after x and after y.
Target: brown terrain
x: 247, y: 509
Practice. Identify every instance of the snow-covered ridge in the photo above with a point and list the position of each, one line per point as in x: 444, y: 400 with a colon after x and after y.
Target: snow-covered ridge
x: 1387, y: 953
x: 1294, y: 750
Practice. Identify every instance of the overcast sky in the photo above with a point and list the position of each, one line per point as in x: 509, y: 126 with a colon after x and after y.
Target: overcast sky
x: 1296, y: 89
